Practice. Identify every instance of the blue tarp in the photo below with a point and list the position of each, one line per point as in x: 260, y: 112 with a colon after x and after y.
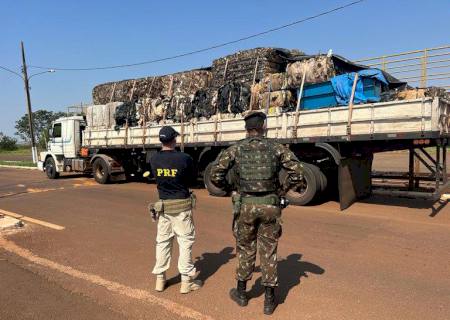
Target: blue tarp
x: 342, y: 85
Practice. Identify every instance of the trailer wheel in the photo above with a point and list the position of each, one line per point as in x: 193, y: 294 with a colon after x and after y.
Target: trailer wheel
x: 101, y: 171
x: 50, y: 168
x: 320, y: 176
x: 305, y: 193
x: 212, y: 189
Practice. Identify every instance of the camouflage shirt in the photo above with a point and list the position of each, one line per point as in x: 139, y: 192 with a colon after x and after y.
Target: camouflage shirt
x: 285, y: 157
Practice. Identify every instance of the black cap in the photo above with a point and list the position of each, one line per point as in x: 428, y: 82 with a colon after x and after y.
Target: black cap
x: 167, y: 134
x: 254, y: 119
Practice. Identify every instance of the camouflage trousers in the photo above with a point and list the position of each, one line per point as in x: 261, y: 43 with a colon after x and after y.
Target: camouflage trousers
x: 258, y: 227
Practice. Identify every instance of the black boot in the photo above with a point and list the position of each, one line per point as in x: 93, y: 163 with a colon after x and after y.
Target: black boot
x: 269, y: 301
x: 239, y: 294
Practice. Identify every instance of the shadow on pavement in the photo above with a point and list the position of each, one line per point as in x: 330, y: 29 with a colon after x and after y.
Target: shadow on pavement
x: 290, y: 272
x: 434, y: 206
x: 208, y: 264
x: 66, y: 176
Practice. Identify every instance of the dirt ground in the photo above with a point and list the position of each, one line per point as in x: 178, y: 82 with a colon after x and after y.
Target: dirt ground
x: 90, y: 251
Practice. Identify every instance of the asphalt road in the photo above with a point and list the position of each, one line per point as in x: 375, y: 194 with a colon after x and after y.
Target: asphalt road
x: 380, y: 259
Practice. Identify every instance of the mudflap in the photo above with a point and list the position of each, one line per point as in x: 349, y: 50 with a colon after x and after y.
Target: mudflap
x: 354, y: 179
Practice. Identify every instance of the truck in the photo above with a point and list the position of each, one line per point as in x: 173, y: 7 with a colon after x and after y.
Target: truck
x: 336, y: 145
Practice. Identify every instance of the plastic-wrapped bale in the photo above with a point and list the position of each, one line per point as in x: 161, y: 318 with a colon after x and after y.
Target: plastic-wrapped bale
x: 233, y: 97
x: 164, y: 108
x: 283, y: 100
x: 158, y: 108
x: 414, y: 93
x: 183, y: 83
x: 318, y: 69
x: 273, y: 82
x: 103, y: 115
x: 241, y: 65
x: 126, y: 115
x: 184, y: 103
x: 204, y: 103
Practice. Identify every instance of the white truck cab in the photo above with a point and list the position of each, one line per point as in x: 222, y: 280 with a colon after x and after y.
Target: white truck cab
x: 63, y: 147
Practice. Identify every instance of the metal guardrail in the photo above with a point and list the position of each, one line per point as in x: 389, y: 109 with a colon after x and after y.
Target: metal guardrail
x: 79, y: 109
x: 420, y: 68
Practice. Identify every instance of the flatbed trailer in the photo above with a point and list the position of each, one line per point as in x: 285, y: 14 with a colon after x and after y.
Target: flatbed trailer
x: 336, y: 144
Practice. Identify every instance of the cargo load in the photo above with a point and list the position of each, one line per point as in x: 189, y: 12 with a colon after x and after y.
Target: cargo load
x: 103, y: 115
x: 316, y: 69
x: 143, y: 89
x: 247, y: 65
x: 260, y: 78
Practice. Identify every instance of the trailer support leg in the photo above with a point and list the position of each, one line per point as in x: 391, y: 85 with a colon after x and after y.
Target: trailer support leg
x: 428, y: 166
x: 438, y: 166
x: 444, y: 162
x: 411, y: 170
x: 437, y: 179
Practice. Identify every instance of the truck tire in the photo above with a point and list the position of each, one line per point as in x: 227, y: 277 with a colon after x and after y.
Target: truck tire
x: 300, y: 196
x: 101, y: 171
x: 212, y: 189
x: 320, y: 176
x: 50, y: 168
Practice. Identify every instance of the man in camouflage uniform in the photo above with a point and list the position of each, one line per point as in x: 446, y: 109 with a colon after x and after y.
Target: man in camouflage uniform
x: 256, y: 162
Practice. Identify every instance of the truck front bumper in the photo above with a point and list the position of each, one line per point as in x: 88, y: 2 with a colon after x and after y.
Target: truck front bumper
x: 40, y: 165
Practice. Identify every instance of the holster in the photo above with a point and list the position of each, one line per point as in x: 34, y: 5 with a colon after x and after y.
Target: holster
x: 193, y: 200
x: 155, y: 209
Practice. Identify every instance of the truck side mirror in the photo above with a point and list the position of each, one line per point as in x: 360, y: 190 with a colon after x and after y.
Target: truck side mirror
x: 50, y: 132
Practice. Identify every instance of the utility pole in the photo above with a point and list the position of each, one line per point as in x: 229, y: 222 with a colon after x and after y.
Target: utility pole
x: 30, y: 113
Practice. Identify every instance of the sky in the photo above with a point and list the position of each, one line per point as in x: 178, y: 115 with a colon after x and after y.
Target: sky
x: 91, y: 33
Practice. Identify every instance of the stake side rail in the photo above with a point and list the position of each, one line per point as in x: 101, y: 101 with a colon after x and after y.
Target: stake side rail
x: 412, y: 119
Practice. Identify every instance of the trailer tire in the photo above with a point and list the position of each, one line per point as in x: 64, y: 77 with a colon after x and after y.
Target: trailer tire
x: 100, y: 170
x: 300, y: 196
x: 320, y: 176
x: 212, y: 189
x: 50, y: 168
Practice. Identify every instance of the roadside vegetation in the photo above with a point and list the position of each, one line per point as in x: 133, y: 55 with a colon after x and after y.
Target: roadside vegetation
x: 20, y: 150
x: 14, y: 153
x: 42, y: 121
x: 17, y: 163
x: 7, y: 143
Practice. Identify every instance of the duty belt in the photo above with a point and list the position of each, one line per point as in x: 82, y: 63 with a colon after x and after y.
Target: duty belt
x: 176, y: 206
x: 271, y: 200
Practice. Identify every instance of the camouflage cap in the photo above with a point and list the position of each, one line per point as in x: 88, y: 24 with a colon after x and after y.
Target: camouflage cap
x: 254, y: 119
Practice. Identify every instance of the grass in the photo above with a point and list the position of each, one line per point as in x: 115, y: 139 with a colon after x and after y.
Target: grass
x: 17, y: 163
x: 21, y: 150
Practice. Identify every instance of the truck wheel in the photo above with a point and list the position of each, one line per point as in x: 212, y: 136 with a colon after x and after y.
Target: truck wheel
x: 101, y: 171
x: 212, y: 189
x: 320, y: 176
x: 305, y: 193
x: 50, y: 168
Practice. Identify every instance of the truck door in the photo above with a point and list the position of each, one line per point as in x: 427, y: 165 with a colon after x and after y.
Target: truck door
x: 70, y: 133
x: 56, y: 145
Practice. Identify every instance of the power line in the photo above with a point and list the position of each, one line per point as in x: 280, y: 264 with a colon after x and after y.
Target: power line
x: 208, y: 48
x: 12, y: 71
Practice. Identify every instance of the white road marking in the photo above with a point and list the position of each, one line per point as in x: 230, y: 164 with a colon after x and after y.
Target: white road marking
x: 32, y: 220
x: 112, y: 286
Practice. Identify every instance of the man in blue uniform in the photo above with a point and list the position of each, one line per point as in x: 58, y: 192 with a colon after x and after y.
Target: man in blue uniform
x: 174, y: 172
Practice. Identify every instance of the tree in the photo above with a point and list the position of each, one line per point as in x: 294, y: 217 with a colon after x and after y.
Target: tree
x: 42, y: 120
x: 7, y: 143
